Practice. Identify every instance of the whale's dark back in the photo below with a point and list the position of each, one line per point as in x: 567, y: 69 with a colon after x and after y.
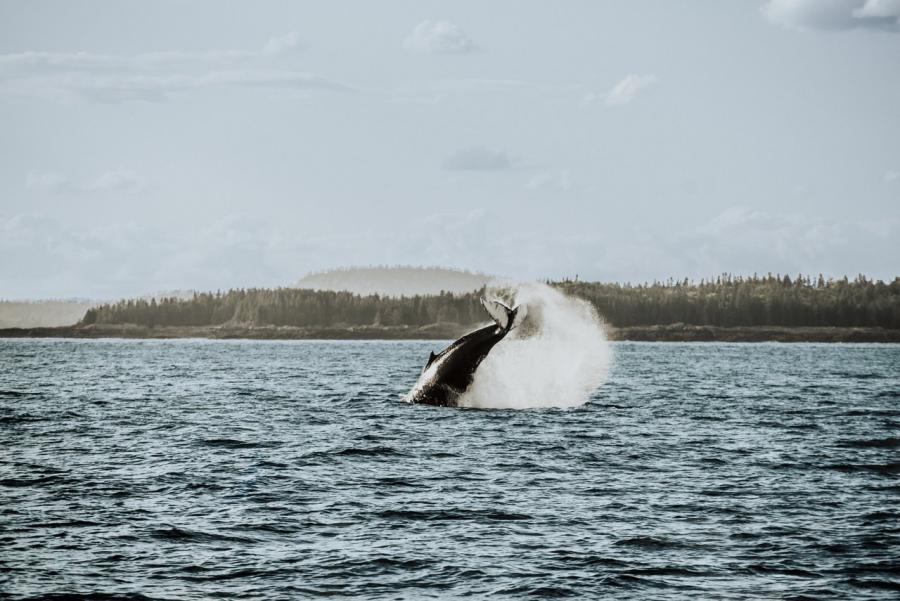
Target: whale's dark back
x: 451, y: 372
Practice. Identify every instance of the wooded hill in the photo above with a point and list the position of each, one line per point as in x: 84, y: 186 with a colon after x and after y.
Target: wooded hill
x: 727, y: 301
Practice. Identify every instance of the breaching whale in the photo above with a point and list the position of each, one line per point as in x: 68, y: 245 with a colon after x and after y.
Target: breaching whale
x: 447, y: 375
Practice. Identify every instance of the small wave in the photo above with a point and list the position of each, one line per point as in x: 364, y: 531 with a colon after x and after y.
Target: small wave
x: 763, y: 568
x: 568, y: 556
x: 22, y: 418
x: 881, y: 516
x: 649, y: 542
x: 235, y: 574
x: 13, y: 393
x: 267, y: 527
x: 368, y: 452
x: 450, y: 514
x: 91, y: 597
x: 871, y: 443
x: 878, y: 567
x: 540, y: 591
x: 176, y: 534
x: 872, y: 413
x: 670, y: 571
x: 401, y: 564
x: 398, y: 482
x: 630, y: 581
x: 23, y: 482
x: 232, y: 443
x: 870, y: 583
x: 877, y: 468
x: 708, y: 418
x: 859, y: 375
x: 67, y: 524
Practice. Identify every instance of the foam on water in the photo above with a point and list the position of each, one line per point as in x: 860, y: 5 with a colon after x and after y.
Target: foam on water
x: 556, y: 358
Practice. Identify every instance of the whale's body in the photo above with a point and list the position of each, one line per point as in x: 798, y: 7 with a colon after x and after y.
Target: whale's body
x: 449, y: 374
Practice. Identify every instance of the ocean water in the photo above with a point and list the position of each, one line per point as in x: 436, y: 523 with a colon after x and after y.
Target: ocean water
x: 275, y: 470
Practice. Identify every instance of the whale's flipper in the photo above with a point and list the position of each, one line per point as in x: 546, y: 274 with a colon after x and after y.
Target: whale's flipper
x: 431, y: 358
x: 505, y: 317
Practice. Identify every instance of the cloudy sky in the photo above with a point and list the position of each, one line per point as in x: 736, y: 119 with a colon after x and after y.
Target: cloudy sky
x: 150, y: 146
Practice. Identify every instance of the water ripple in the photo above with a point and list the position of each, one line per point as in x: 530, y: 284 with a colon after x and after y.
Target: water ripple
x: 266, y: 470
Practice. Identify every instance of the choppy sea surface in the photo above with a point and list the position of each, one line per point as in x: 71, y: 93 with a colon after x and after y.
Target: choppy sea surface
x: 195, y: 469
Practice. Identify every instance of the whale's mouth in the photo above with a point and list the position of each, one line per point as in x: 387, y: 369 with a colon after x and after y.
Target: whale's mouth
x: 556, y: 357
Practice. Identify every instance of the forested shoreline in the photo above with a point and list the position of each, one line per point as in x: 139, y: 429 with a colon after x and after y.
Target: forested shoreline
x: 726, y: 302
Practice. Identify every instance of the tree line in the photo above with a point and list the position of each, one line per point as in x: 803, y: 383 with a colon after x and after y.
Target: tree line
x: 771, y: 300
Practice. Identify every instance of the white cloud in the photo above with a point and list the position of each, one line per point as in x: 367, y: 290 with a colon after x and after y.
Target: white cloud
x: 122, y: 181
x: 479, y: 158
x: 891, y: 176
x: 743, y: 240
x: 626, y: 90
x: 739, y: 240
x: 89, y: 61
x: 115, y: 88
x: 551, y: 181
x: 589, y: 99
x: 439, y: 37
x: 53, y: 258
x: 281, y: 44
x: 806, y: 15
x: 118, y: 259
x: 152, y: 77
x: 880, y: 8
x: 47, y: 181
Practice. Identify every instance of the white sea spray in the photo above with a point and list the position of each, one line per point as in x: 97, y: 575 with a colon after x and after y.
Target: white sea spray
x: 556, y: 358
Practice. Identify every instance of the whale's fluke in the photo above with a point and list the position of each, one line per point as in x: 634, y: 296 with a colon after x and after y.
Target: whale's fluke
x: 505, y: 317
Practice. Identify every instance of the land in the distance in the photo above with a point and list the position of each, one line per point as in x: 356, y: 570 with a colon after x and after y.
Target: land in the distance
x: 728, y: 308
x: 657, y: 333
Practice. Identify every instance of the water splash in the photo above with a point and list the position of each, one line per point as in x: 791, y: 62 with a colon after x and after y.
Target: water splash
x: 556, y: 358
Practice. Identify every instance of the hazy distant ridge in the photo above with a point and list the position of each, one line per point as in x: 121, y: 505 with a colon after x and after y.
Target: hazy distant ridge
x: 395, y: 281
x: 49, y: 313
x: 44, y: 313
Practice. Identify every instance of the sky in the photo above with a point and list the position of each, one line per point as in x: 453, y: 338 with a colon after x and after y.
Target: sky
x: 149, y: 146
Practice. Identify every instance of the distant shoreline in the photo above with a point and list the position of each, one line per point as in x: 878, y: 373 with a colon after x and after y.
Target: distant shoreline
x: 658, y: 333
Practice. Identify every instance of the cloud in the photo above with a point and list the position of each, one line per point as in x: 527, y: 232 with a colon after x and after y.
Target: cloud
x: 891, y: 176
x: 478, y: 158
x: 626, y: 90
x: 89, y: 61
x: 551, y: 181
x: 879, y: 8
x: 834, y: 15
x: 117, y: 259
x: 153, y: 77
x: 47, y: 181
x: 439, y: 37
x: 281, y: 44
x: 121, y: 181
x: 54, y: 258
x: 738, y: 240
x: 743, y: 240
x: 117, y: 88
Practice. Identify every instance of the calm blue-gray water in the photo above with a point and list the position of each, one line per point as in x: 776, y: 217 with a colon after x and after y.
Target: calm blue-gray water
x: 197, y: 469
